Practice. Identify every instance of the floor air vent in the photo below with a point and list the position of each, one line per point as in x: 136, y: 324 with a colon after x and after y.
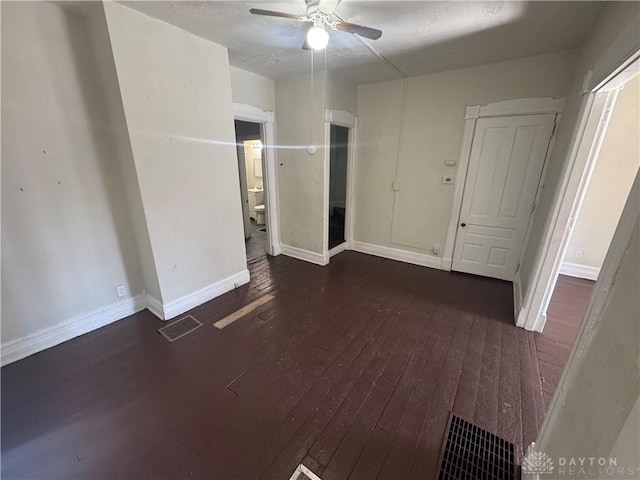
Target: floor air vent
x: 179, y: 328
x: 471, y: 453
x: 303, y: 473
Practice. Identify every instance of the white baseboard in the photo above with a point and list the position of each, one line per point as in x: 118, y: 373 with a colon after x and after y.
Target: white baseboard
x: 446, y: 263
x: 541, y: 320
x: 172, y: 309
x: 306, y: 255
x: 337, y: 249
x: 154, y: 306
x: 579, y: 271
x: 517, y: 296
x: 14, y: 350
x: 397, y: 254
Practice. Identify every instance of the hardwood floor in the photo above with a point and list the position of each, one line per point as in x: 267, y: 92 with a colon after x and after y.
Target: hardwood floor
x: 256, y: 246
x: 353, y: 368
x: 564, y: 316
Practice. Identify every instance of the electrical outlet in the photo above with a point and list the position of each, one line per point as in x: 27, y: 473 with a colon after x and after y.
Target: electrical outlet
x: 450, y: 163
x: 436, y: 249
x: 578, y: 254
x: 121, y: 291
x: 448, y: 180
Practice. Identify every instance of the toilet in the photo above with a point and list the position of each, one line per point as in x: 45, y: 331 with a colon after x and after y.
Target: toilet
x: 260, y: 214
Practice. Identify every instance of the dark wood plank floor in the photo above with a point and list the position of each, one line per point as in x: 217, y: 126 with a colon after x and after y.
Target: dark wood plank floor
x: 353, y: 369
x: 566, y: 310
x: 256, y: 246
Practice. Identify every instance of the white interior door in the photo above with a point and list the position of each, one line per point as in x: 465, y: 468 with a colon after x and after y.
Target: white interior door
x: 507, y: 156
x: 244, y: 194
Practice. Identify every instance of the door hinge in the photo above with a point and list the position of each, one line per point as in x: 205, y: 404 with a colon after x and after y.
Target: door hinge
x: 555, y: 126
x: 517, y: 268
x: 395, y: 186
x: 533, y: 208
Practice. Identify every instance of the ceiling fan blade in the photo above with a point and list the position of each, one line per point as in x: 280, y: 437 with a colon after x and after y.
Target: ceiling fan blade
x: 305, y: 45
x: 367, y: 32
x: 271, y: 13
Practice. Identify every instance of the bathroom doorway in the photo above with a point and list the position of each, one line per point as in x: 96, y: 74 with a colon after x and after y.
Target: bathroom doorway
x: 250, y: 156
x: 338, y: 168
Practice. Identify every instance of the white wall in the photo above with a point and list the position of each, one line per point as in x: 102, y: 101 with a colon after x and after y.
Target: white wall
x: 66, y: 234
x: 596, y: 401
x: 300, y: 175
x: 117, y: 128
x: 342, y: 93
x: 176, y: 95
x: 253, y: 89
x: 609, y: 187
x: 602, y: 52
x: 412, y: 146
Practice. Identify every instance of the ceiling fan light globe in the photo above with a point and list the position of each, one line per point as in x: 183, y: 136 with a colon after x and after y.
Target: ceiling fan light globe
x: 317, y: 37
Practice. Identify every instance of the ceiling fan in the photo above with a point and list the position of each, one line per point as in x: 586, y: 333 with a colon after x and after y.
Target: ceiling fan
x: 317, y: 36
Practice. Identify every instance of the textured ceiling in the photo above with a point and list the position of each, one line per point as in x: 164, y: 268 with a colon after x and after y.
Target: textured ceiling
x: 419, y: 36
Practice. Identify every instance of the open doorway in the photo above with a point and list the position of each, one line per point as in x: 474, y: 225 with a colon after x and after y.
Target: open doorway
x: 338, y: 167
x: 249, y: 146
x: 340, y: 133
x: 607, y: 188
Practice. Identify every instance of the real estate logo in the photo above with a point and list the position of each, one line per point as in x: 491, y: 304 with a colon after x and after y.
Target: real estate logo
x: 537, y: 462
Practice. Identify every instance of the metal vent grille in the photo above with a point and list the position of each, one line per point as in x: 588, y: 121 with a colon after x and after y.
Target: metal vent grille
x: 472, y: 453
x: 179, y: 328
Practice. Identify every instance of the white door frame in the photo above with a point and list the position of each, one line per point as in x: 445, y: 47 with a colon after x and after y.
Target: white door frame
x: 266, y: 119
x: 597, y: 105
x: 348, y: 120
x: 506, y: 108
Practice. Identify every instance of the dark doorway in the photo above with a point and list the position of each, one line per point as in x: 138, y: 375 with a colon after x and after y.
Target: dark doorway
x: 338, y: 155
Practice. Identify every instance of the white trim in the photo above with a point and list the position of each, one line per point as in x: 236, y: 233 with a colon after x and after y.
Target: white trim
x: 342, y: 118
x: 621, y: 242
x: 579, y: 271
x: 522, y: 106
x: 305, y: 255
x: 14, y: 350
x: 351, y: 184
x: 337, y: 249
x: 271, y: 180
x: 517, y: 295
x: 620, y: 76
x: 585, y: 146
x: 461, y: 178
x: 326, y: 172
x: 172, y: 309
x: 405, y: 256
x: 347, y: 120
x: 249, y: 113
x: 154, y: 306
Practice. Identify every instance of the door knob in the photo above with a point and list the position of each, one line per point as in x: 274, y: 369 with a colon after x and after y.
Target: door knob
x: 463, y: 224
